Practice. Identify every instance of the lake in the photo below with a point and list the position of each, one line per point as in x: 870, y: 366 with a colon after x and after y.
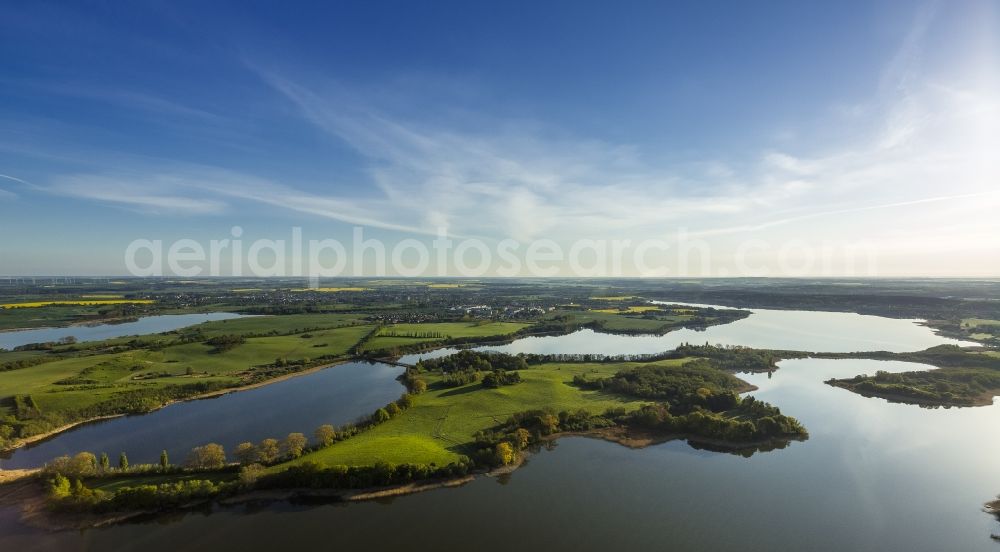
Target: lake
x: 145, y: 325
x: 832, y: 332
x: 335, y: 395
x: 873, y: 476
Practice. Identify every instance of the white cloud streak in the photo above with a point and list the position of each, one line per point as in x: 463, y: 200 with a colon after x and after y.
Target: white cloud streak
x: 933, y: 153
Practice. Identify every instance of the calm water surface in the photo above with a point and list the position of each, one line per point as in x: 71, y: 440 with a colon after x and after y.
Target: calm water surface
x: 142, y: 326
x: 873, y: 476
x: 335, y: 395
x: 816, y: 331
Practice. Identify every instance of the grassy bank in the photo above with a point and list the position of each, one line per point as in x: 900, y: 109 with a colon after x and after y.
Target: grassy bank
x: 444, y: 431
x: 441, y: 425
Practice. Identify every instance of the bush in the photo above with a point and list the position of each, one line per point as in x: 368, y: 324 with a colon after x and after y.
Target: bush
x: 498, y: 378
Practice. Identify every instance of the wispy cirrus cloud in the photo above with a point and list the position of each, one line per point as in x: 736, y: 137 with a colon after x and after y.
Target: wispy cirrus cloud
x: 156, y: 194
x: 518, y: 181
x: 202, y: 190
x: 929, y: 151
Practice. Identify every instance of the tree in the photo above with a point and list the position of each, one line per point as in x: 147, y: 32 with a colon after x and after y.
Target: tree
x: 522, y: 438
x: 59, y: 465
x: 59, y: 487
x: 294, y: 444
x: 418, y: 386
x: 393, y: 409
x: 81, y: 465
x: 405, y: 401
x: 325, y: 435
x: 164, y: 460
x: 208, y: 456
x: 105, y: 462
x: 504, y: 453
x: 548, y: 423
x: 6, y: 433
x: 122, y: 462
x: 245, y: 454
x: 268, y: 451
x: 380, y: 416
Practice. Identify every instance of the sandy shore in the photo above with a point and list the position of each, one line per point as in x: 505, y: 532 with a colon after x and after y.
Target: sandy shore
x: 10, y: 476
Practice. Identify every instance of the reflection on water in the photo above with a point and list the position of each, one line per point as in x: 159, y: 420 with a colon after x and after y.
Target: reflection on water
x: 873, y: 476
x: 834, y: 332
x: 332, y: 396
x: 142, y: 326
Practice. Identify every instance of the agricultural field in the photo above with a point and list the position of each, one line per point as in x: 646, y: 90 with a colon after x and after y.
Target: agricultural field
x: 402, y: 335
x: 981, y: 329
x: 333, y: 289
x: 51, y: 315
x: 292, y: 323
x: 979, y: 322
x: 643, y: 319
x: 634, y: 309
x: 80, y: 302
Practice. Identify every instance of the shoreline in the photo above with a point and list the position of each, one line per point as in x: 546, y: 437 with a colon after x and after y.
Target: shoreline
x: 25, y: 441
x: 637, y: 439
x: 35, y: 513
x: 986, y: 398
x: 391, y: 359
x: 80, y: 324
x: 993, y: 508
x: 114, y: 321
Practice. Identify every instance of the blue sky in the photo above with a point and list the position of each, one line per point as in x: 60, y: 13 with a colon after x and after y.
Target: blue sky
x: 836, y: 124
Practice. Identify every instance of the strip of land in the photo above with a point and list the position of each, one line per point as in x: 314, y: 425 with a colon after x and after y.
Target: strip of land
x: 964, y: 377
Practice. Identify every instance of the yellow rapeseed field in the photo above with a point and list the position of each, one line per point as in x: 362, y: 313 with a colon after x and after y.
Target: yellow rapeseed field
x: 81, y: 302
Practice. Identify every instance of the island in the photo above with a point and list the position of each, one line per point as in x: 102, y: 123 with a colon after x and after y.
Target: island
x: 964, y: 377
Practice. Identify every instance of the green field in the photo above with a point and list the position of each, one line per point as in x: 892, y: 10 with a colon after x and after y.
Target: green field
x: 634, y: 309
x: 981, y: 329
x: 401, y: 335
x: 439, y: 427
x: 292, y: 323
x: 57, y: 315
x: 458, y: 329
x: 88, y: 379
x: 978, y: 322
x: 102, y: 375
x: 614, y: 322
